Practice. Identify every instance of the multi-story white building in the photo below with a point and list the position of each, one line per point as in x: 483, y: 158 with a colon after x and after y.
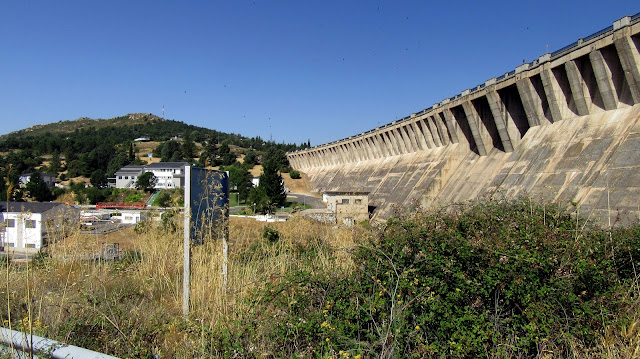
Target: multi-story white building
x: 29, y: 226
x: 168, y: 174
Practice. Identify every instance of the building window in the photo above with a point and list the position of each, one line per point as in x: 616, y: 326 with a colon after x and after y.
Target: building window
x: 11, y: 244
x: 30, y: 223
x: 357, y: 201
x: 345, y: 201
x: 11, y: 223
x: 119, y: 177
x: 30, y: 245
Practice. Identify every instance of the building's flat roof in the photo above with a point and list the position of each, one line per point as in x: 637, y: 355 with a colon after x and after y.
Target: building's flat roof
x: 157, y: 165
x: 347, y: 193
x: 129, y: 169
x: 31, y: 207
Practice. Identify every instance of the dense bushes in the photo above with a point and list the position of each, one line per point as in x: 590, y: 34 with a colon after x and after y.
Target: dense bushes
x: 493, y: 280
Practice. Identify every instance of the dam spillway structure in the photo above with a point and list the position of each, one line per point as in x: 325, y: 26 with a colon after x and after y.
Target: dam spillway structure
x: 564, y: 128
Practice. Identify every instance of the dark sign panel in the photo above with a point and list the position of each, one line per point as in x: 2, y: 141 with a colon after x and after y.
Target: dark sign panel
x: 207, y: 195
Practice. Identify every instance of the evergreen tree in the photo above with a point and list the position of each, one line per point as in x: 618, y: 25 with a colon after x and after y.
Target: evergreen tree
x: 171, y: 152
x: 98, y: 179
x: 228, y: 158
x: 240, y: 179
x: 188, y: 147
x: 55, y: 165
x: 272, y: 183
x: 38, y: 189
x: 258, y: 198
x: 251, y: 157
x: 132, y: 155
x: 279, y: 157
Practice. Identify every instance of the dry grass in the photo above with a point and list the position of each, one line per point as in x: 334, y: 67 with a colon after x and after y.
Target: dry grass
x: 134, y: 307
x: 140, y: 298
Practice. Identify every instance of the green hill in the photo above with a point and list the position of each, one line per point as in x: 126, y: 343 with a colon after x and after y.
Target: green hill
x: 84, y: 123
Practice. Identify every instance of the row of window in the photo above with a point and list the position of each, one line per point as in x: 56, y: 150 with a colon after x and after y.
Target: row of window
x: 13, y: 245
x: 28, y: 223
x: 355, y: 201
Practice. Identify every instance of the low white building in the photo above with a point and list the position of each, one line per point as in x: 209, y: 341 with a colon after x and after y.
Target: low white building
x: 29, y: 226
x: 128, y: 217
x: 168, y: 174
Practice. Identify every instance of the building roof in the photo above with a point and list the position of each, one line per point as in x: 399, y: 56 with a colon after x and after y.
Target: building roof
x: 31, y: 207
x: 42, y: 175
x: 129, y: 170
x: 158, y: 165
x: 342, y: 193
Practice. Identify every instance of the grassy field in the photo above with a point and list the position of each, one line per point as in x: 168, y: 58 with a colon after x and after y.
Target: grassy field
x: 495, y: 280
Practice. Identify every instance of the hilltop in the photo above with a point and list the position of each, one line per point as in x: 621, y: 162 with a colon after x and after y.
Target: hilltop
x: 131, y: 119
x: 92, y: 150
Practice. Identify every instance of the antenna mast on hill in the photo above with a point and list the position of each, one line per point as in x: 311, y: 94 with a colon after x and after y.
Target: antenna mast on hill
x: 163, y: 112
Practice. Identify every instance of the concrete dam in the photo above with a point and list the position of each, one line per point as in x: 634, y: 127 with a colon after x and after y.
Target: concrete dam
x: 563, y: 128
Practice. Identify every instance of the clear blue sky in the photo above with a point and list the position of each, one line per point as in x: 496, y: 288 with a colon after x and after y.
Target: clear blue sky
x: 293, y: 70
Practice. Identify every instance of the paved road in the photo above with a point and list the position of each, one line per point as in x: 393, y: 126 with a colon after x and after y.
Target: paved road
x: 306, y: 199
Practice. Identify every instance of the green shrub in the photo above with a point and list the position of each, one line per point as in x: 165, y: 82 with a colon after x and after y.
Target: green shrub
x: 294, y: 174
x: 492, y: 280
x: 270, y: 234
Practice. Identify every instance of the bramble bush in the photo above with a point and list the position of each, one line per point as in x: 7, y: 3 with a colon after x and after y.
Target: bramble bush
x: 498, y: 279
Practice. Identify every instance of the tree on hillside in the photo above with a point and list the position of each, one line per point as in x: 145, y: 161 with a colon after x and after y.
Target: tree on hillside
x: 131, y: 155
x: 279, y: 157
x: 55, y: 165
x: 251, y: 157
x: 171, y: 152
x: 118, y: 161
x: 99, y: 179
x: 272, y: 183
x: 146, y: 181
x: 38, y: 189
x: 209, y: 157
x: 188, y: 147
x: 228, y: 157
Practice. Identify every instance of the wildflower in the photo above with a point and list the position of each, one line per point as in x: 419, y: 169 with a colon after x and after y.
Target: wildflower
x: 327, y: 340
x: 359, y: 356
x: 417, y: 327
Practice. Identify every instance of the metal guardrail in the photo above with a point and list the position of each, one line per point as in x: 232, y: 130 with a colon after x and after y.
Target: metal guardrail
x: 22, y: 345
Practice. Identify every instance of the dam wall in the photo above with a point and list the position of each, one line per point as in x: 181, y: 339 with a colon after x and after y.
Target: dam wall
x: 563, y: 128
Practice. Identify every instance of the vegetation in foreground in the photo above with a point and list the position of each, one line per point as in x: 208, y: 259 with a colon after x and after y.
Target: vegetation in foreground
x: 496, y: 280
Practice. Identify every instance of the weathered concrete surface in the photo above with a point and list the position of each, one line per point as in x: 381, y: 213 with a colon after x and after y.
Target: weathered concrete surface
x: 593, y: 161
x: 562, y: 128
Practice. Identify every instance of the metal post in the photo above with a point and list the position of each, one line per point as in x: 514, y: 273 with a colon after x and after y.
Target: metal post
x: 186, y: 281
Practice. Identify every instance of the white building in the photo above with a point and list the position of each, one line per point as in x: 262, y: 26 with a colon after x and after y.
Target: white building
x: 126, y: 176
x: 168, y: 174
x: 29, y: 226
x: 46, y: 178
